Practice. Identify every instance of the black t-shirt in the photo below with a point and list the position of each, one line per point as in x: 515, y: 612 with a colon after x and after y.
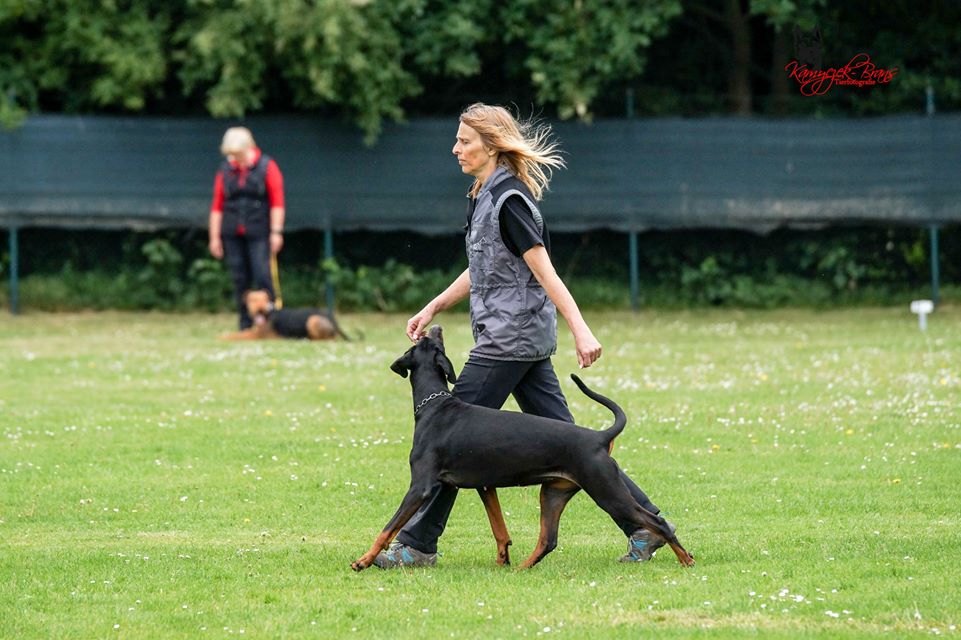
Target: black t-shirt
x: 518, y: 228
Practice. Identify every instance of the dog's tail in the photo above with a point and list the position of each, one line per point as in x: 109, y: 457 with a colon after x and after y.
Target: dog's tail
x: 620, y: 420
x: 340, y: 332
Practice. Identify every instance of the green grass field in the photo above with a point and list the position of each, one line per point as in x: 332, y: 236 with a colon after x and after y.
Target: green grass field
x: 155, y: 482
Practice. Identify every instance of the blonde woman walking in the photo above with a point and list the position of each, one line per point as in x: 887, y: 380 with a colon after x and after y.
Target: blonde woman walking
x: 515, y: 295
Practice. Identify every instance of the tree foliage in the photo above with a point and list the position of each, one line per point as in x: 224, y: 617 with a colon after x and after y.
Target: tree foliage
x: 81, y: 54
x: 375, y: 60
x: 360, y: 58
x: 691, y: 68
x: 576, y: 48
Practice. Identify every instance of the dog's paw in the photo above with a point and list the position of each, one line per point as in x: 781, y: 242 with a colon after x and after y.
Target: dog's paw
x: 358, y: 564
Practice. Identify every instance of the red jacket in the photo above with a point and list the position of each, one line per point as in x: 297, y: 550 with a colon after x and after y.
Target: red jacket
x: 275, y: 183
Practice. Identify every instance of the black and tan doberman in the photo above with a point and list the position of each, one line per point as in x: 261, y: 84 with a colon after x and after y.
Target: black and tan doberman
x: 470, y: 446
x: 271, y: 323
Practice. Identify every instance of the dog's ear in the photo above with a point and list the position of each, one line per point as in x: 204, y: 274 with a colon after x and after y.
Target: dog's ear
x: 401, y: 365
x: 440, y: 359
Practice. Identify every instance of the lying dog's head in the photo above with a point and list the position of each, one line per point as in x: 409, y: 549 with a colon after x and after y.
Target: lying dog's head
x: 428, y: 355
x: 259, y: 305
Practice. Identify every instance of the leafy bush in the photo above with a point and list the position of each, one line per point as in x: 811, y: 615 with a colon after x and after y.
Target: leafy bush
x: 209, y: 285
x: 392, y: 287
x: 171, y: 270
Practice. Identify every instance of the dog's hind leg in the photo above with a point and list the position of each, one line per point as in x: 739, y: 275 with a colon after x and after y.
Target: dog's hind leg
x: 319, y: 328
x: 498, y: 526
x: 554, y: 497
x: 603, y: 484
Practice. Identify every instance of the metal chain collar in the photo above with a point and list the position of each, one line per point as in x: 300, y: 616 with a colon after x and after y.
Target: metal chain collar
x: 429, y: 398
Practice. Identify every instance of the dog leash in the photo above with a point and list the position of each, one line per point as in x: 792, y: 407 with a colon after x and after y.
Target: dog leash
x: 429, y: 398
x: 275, y: 276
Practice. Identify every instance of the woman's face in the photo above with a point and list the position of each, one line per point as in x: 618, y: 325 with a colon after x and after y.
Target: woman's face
x: 241, y: 157
x: 474, y: 158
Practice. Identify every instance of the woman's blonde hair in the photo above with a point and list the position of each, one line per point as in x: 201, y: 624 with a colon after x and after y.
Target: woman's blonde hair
x: 237, y: 140
x: 524, y: 148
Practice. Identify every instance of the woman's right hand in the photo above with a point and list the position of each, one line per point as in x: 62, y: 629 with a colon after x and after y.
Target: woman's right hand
x: 417, y: 325
x: 457, y: 291
x: 216, y: 247
x: 587, y: 347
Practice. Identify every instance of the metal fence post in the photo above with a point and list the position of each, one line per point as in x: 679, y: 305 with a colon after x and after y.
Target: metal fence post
x: 935, y: 265
x: 329, y: 255
x: 14, y: 271
x: 933, y: 229
x: 635, y: 273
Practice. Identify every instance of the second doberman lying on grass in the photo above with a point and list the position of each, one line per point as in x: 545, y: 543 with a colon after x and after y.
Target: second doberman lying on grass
x: 270, y: 322
x: 470, y: 446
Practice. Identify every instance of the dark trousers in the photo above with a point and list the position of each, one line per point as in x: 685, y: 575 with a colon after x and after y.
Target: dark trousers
x: 248, y: 260
x: 488, y: 383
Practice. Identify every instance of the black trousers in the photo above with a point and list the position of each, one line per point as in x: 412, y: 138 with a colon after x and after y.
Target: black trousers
x: 248, y: 260
x: 488, y: 383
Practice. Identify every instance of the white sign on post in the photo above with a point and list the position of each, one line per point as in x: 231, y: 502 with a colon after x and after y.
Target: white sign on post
x: 922, y: 308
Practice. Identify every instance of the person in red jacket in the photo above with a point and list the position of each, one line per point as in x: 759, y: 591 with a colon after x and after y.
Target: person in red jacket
x: 247, y: 215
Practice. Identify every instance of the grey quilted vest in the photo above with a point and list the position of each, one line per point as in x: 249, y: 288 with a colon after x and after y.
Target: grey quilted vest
x: 511, y: 316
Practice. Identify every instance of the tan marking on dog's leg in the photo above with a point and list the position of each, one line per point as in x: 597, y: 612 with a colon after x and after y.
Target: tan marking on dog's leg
x: 246, y: 334
x: 408, y: 507
x: 381, y: 542
x: 554, y: 497
x: 498, y: 526
x: 683, y: 556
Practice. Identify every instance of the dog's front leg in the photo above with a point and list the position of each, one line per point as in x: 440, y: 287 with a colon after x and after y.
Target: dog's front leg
x: 246, y: 334
x: 498, y: 527
x: 416, y: 496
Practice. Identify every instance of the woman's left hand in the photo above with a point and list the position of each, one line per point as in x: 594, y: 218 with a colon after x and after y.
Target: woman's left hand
x: 587, y: 347
x: 276, y: 243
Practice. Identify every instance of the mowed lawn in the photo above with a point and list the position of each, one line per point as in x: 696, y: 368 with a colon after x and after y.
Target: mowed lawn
x: 156, y: 482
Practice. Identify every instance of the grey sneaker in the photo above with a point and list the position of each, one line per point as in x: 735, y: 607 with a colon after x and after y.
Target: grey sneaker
x: 400, y: 555
x: 642, y: 544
